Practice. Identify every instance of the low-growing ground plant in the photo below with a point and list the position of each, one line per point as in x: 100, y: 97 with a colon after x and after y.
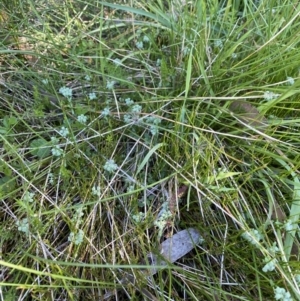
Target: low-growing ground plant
x: 124, y: 123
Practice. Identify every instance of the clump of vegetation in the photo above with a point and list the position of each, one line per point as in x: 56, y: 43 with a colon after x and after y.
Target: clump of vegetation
x: 125, y: 122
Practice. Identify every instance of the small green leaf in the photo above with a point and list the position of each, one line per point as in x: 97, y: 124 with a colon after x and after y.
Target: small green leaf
x: 7, y: 185
x: 221, y: 175
x: 8, y: 122
x: 40, y: 148
x: 3, y: 130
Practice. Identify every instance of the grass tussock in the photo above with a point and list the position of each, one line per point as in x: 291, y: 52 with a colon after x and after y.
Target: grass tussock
x: 114, y: 114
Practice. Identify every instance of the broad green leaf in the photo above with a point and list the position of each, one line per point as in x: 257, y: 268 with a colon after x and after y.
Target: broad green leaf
x: 40, y: 148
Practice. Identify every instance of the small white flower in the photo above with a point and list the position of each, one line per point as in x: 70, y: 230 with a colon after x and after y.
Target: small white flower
x: 129, y: 102
x: 288, y: 297
x: 78, y: 214
x: 92, y: 96
x: 51, y: 178
x: 279, y: 293
x: 45, y: 81
x: 23, y: 225
x: 164, y: 214
x: 105, y: 112
x: 64, y: 132
x: 110, y: 166
x: 253, y: 236
x: 96, y: 190
x: 82, y: 119
x: 127, y: 118
x: 146, y: 39
x: 136, y: 109
x: 66, y: 92
x: 139, y: 45
x: 153, y: 119
x: 218, y: 43
x: 54, y: 140
x: 57, y: 151
x: 273, y: 249
x: 110, y: 84
x: 87, y: 78
x: 154, y: 130
x: 76, y: 238
x: 234, y: 55
x: 270, y: 95
x: 297, y: 277
x: 28, y: 197
x: 290, y: 80
x: 71, y: 236
x: 270, y: 264
x: 282, y: 294
x: 162, y: 220
x: 138, y: 217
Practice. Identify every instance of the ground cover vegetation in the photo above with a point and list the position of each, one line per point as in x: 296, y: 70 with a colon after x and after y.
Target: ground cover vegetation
x: 125, y: 122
